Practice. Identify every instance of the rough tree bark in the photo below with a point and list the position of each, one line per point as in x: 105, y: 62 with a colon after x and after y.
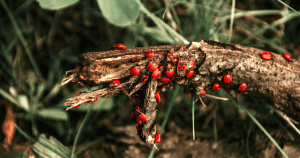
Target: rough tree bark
x: 276, y: 81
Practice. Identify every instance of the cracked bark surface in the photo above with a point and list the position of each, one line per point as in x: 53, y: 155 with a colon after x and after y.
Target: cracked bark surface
x: 275, y: 81
x: 148, y: 129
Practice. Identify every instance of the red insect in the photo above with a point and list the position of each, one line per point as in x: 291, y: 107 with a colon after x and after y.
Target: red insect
x: 142, y: 116
x: 149, y: 54
x: 190, y: 73
x: 139, y: 121
x: 144, y: 78
x: 157, y: 137
x: 164, y: 80
x: 174, y: 61
x: 119, y: 46
x: 227, y: 79
x: 170, y: 57
x: 170, y: 71
x: 267, y: 55
x: 137, y: 70
x: 91, y: 102
x: 190, y: 63
x: 242, y: 87
x: 157, y: 73
x: 203, y: 92
x: 94, y: 101
x: 157, y: 97
x: 181, y: 67
x: 216, y: 86
x: 78, y: 94
x: 287, y: 56
x: 114, y: 83
x: 152, y: 66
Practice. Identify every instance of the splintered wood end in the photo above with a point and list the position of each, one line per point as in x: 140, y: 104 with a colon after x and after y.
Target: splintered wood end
x: 67, y: 80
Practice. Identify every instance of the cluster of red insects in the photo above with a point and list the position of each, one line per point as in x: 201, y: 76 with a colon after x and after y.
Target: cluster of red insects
x: 139, y: 117
x: 156, y: 69
x: 268, y: 56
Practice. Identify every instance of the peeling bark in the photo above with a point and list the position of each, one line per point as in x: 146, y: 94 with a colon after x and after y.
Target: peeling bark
x: 275, y: 81
x: 149, y: 129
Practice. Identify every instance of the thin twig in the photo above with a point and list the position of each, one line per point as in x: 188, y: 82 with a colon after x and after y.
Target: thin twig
x: 200, y: 98
x: 215, y: 97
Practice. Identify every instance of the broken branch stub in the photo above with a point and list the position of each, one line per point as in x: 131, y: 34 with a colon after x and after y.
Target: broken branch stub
x: 273, y: 80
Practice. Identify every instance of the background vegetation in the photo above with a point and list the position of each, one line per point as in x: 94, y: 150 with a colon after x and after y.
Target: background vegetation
x: 41, y: 40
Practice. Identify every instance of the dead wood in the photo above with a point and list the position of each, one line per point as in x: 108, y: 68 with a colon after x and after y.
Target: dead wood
x: 275, y: 81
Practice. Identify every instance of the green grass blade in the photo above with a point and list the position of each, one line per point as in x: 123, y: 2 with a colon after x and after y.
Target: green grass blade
x: 231, y: 20
x: 176, y: 19
x: 193, y: 114
x: 24, y: 134
x: 282, y: 115
x: 11, y: 99
x: 247, y: 140
x: 86, y: 117
x: 265, y: 131
x: 283, y: 127
x: 161, y: 24
x: 254, y: 13
x: 215, y: 124
x: 19, y: 33
x: 288, y: 6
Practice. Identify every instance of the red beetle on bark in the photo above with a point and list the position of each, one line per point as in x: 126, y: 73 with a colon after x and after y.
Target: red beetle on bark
x: 227, y: 79
x: 190, y: 63
x: 137, y: 70
x: 119, y: 46
x: 170, y: 70
x: 181, y: 67
x: 267, y: 55
x: 149, y: 54
x: 144, y: 78
x: 216, y: 87
x: 190, y: 73
x: 114, y: 83
x: 157, y: 97
x: 93, y: 101
x: 170, y: 57
x: 287, y: 56
x: 152, y: 66
x: 242, y: 87
x: 142, y: 116
x: 157, y: 137
x: 164, y: 80
x: 157, y: 73
x: 203, y: 92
